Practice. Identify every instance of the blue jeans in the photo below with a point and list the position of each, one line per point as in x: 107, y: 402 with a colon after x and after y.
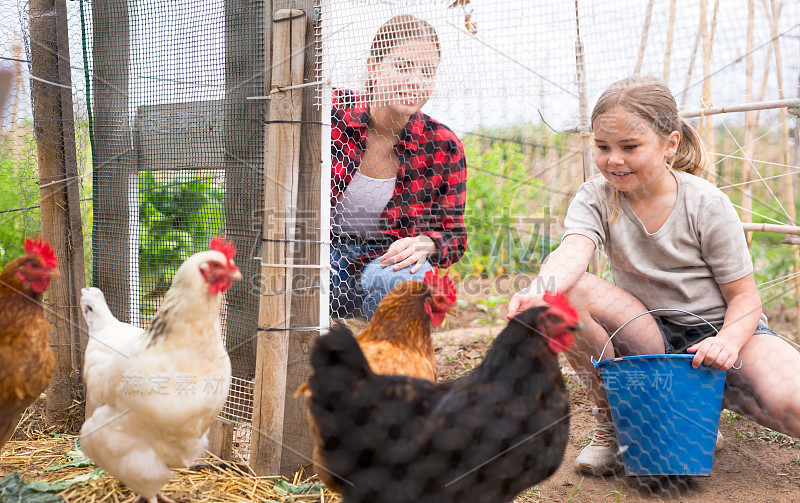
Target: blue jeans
x: 355, y: 291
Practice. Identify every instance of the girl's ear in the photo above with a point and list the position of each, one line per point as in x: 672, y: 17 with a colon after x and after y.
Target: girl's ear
x: 671, y: 148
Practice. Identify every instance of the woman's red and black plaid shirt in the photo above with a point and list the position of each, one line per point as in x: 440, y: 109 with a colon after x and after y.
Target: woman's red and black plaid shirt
x: 430, y: 191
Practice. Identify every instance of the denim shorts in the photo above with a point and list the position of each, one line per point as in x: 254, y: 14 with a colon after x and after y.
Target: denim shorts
x: 678, y: 338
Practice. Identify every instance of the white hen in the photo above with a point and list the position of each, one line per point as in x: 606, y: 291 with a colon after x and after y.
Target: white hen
x: 157, y: 392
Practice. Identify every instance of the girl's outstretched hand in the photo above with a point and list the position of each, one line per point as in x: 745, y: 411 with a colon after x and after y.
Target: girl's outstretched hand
x: 716, y: 352
x: 522, y: 301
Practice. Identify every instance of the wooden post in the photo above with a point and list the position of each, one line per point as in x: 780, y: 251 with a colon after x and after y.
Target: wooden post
x: 749, y: 126
x: 245, y: 76
x: 60, y: 200
x: 113, y: 155
x: 297, y: 439
x: 281, y: 167
x: 220, y: 439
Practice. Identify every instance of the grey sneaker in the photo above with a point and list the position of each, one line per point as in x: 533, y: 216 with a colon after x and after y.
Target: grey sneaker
x: 601, y: 456
x: 720, y: 442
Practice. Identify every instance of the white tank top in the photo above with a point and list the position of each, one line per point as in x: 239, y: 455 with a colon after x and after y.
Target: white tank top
x: 357, y: 214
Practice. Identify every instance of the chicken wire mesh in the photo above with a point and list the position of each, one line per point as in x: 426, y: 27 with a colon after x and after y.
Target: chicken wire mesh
x: 178, y: 148
x: 184, y: 163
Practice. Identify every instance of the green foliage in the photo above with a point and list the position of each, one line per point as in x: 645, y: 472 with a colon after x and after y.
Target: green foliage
x: 492, y: 307
x: 177, y: 218
x: 13, y: 488
x: 19, y: 197
x: 504, y: 236
x: 75, y: 456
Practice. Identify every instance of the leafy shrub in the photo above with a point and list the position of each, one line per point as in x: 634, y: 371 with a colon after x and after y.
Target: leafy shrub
x: 177, y: 218
x: 19, y: 196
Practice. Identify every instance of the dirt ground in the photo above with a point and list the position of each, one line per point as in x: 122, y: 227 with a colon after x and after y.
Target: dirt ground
x: 756, y: 464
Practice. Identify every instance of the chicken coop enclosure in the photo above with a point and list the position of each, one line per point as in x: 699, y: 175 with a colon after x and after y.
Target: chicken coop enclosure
x: 132, y: 132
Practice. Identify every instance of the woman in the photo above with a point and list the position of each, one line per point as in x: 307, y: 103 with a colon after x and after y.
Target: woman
x: 398, y: 177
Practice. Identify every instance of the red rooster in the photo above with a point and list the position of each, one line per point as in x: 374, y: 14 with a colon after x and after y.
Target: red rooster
x: 26, y: 362
x: 483, y: 437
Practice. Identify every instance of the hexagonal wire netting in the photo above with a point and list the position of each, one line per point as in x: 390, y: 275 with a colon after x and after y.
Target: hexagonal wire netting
x: 174, y: 151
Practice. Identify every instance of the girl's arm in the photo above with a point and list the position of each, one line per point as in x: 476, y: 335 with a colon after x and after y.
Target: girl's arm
x: 741, y: 319
x: 559, y: 273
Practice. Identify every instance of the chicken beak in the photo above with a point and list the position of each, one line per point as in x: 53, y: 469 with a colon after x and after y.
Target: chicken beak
x: 576, y: 327
x: 234, y: 274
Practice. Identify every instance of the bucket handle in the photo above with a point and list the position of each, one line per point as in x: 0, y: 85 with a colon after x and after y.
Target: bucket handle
x: 595, y: 362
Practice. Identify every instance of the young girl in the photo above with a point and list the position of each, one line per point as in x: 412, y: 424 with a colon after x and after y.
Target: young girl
x: 673, y: 240
x: 398, y: 176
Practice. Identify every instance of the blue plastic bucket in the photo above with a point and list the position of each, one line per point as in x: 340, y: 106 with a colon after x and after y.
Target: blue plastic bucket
x: 666, y: 413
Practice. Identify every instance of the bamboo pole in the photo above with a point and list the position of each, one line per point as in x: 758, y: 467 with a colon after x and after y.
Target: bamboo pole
x: 708, y: 124
x: 585, y: 127
x: 16, y: 51
x: 692, y: 59
x: 643, y: 43
x: 281, y: 167
x: 788, y: 188
x: 583, y: 101
x: 788, y: 230
x: 59, y: 200
x: 765, y: 76
x: 670, y: 32
x: 742, y: 107
x: 749, y: 127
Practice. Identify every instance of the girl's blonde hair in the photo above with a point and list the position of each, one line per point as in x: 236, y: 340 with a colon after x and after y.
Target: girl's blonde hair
x: 651, y: 100
x: 400, y: 29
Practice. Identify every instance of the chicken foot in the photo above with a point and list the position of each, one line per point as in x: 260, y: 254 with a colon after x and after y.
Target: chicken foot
x: 160, y: 498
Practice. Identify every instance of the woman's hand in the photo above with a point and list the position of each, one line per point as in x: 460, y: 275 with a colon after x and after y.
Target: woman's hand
x: 407, y: 252
x: 717, y: 352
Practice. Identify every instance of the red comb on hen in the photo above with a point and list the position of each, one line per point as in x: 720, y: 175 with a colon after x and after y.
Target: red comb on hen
x: 560, y: 304
x: 226, y: 248
x: 41, y: 249
x: 559, y: 333
x: 441, y: 284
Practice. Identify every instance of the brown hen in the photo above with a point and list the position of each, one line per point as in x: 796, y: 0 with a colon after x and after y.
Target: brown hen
x: 26, y: 362
x: 398, y: 339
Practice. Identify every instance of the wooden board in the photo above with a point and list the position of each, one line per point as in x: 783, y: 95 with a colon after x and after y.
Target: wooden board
x: 281, y: 169
x: 180, y: 136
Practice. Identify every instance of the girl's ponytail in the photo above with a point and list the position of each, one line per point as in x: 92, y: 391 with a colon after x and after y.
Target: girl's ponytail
x: 691, y: 156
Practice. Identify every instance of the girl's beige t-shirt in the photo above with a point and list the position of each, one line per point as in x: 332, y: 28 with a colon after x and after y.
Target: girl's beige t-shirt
x: 701, y: 245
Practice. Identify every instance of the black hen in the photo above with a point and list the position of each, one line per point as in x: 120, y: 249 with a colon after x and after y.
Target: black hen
x: 482, y: 438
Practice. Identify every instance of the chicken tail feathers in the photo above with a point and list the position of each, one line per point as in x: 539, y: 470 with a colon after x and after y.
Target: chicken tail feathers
x: 95, y: 310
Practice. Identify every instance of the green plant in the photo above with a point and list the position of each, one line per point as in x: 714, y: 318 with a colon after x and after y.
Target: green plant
x: 618, y: 492
x: 574, y: 491
x: 19, y: 197
x: 503, y: 238
x: 177, y: 217
x: 730, y: 417
x: 491, y: 306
